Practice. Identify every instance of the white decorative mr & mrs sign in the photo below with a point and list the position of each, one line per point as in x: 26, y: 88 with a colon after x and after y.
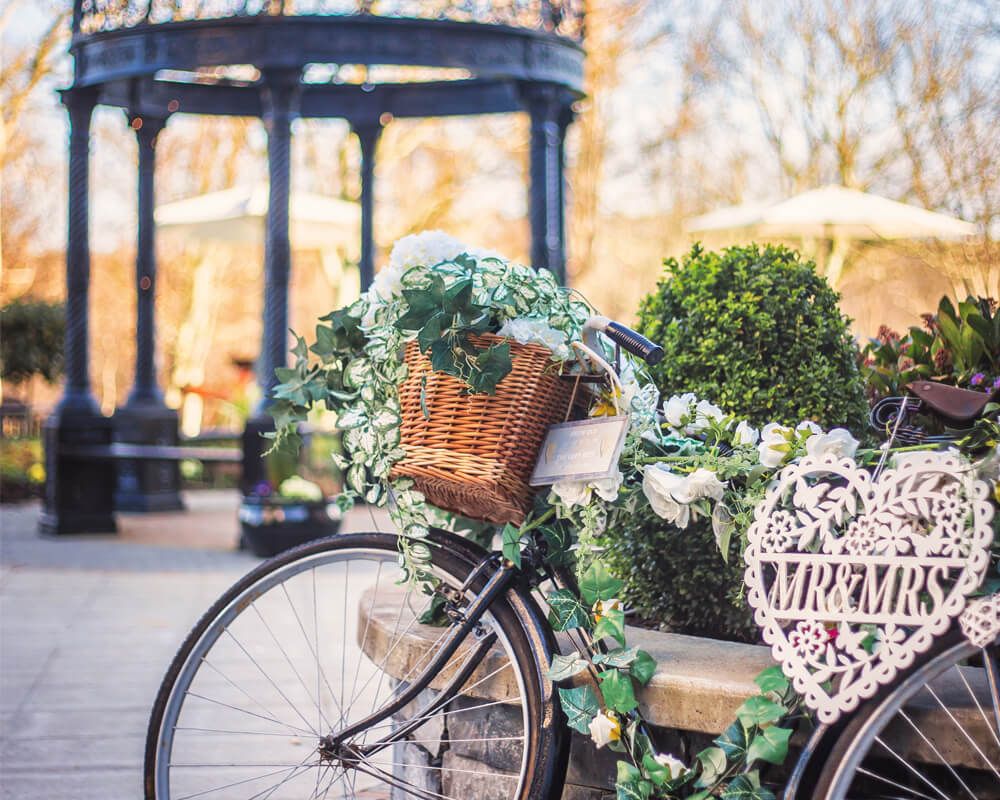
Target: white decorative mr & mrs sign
x: 851, y: 576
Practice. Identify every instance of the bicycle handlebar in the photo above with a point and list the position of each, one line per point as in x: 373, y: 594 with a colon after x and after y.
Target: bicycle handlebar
x: 626, y: 338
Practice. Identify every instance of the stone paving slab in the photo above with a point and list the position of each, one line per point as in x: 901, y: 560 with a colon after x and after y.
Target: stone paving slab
x: 88, y: 626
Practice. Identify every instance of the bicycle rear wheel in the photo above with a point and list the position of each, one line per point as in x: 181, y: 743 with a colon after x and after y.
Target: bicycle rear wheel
x: 934, y: 735
x: 317, y: 639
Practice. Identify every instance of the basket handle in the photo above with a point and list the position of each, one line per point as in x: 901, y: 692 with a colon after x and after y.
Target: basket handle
x: 616, y: 385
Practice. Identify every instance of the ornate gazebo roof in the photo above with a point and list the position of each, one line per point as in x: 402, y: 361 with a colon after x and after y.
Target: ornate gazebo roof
x: 164, y: 53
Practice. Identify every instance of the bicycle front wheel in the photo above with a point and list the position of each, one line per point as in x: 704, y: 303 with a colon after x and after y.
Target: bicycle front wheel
x: 934, y: 735
x: 323, y: 636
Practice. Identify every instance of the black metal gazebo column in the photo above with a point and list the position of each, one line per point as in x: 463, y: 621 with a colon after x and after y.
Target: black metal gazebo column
x: 145, y: 418
x: 78, y: 491
x: 279, y: 95
x: 547, y: 107
x: 368, y: 133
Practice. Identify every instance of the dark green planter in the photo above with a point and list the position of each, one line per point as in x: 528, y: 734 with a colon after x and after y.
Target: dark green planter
x: 271, y: 525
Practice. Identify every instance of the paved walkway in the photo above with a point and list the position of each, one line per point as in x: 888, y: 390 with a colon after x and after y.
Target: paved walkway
x: 88, y: 625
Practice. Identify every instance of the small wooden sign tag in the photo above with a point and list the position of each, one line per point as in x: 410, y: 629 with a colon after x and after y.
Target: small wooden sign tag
x: 579, y: 451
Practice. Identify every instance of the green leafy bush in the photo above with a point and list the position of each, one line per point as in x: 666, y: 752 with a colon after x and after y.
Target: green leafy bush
x: 757, y: 331
x: 31, y: 340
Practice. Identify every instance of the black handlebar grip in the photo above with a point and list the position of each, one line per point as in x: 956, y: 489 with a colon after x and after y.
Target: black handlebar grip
x: 635, y: 343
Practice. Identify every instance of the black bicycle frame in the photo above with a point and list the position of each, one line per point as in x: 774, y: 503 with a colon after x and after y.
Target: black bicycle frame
x: 503, y: 576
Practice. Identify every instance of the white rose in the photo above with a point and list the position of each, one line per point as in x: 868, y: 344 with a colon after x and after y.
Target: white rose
x: 677, y: 408
x: 706, y: 413
x: 772, y: 438
x: 572, y: 493
x: 808, y: 426
x: 774, y: 432
x: 745, y: 434
x: 658, y: 484
x: 607, y: 489
x: 605, y: 729
x: 675, y: 765
x: 700, y: 483
x: 837, y: 442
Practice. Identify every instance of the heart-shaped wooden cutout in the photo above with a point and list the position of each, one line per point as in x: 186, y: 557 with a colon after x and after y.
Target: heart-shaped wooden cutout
x: 851, y: 577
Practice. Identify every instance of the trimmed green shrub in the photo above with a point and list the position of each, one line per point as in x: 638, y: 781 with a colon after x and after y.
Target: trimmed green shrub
x: 758, y: 332
x: 31, y: 340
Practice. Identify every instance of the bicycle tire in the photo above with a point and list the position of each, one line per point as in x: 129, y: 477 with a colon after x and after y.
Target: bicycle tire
x: 846, y: 766
x: 515, y: 616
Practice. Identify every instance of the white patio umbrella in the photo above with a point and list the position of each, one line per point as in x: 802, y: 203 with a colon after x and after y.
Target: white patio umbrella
x: 836, y: 214
x: 238, y: 216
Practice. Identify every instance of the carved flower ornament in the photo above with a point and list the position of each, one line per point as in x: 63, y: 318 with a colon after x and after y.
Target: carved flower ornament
x: 852, y: 575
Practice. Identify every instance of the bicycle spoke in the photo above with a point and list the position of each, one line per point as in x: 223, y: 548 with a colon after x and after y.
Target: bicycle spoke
x: 400, y: 783
x: 266, y: 793
x: 249, y: 696
x: 343, y: 633
x: 315, y: 651
x: 231, y: 732
x: 912, y: 792
x: 965, y: 733
x: 319, y: 707
x: 368, y: 623
x: 234, y: 783
x: 912, y: 769
x: 383, y: 725
x: 271, y: 681
x: 385, y: 659
x: 299, y: 731
x: 289, y: 662
x: 989, y: 724
x: 941, y: 758
x: 423, y: 715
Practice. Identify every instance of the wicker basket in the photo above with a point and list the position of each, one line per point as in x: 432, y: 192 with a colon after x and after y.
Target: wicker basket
x: 475, y: 453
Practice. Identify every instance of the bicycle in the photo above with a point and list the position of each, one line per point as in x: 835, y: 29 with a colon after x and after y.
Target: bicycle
x: 320, y: 718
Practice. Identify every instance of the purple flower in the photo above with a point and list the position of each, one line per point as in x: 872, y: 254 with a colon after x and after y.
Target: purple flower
x: 977, y: 379
x: 262, y: 489
x: 996, y: 384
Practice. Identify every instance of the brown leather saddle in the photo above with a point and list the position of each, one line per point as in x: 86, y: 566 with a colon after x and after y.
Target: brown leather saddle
x: 956, y: 408
x: 951, y: 402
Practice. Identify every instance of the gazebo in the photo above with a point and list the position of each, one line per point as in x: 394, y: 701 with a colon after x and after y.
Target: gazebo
x: 155, y: 58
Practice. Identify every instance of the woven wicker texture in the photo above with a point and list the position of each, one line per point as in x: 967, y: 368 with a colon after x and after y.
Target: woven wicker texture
x: 476, y: 452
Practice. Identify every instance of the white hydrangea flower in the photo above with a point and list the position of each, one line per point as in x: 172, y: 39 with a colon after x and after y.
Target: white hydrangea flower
x: 528, y: 330
x: 605, y: 729
x: 837, y: 442
x: 746, y: 434
x: 425, y: 249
